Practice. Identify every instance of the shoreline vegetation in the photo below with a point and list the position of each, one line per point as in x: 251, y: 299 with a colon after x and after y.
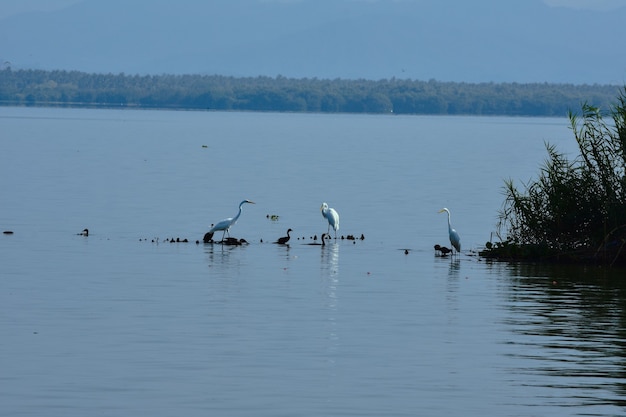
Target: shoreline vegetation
x: 27, y: 87
x: 575, y: 211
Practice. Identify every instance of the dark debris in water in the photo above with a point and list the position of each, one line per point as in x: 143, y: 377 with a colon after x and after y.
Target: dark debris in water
x: 233, y: 241
x: 342, y: 237
x: 167, y: 240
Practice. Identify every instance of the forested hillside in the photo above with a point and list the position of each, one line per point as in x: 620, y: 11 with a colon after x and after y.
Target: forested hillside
x: 215, y: 92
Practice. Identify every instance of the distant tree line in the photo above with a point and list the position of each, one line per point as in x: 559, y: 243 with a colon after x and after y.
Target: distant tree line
x: 282, y: 94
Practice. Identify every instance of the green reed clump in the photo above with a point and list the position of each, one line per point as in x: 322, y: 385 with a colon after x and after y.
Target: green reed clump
x: 576, y: 206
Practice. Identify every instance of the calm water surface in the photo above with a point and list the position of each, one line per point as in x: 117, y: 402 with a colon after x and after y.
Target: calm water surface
x: 118, y: 323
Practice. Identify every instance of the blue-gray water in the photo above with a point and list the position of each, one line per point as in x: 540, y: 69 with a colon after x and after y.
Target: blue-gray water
x: 115, y: 324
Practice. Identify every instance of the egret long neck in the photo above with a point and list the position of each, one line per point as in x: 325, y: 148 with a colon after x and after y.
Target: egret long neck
x: 238, y: 214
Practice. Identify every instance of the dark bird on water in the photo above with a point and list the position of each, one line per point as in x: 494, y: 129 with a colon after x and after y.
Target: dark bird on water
x: 233, y: 241
x: 208, y: 238
x: 85, y: 232
x: 283, y: 240
x: 323, y: 241
x: 442, y: 250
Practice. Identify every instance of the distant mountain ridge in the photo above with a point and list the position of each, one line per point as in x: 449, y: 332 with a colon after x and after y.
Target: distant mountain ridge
x: 488, y: 40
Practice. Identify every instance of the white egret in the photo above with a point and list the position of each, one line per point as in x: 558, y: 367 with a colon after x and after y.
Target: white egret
x: 332, y: 216
x: 283, y: 240
x: 455, y: 240
x: 226, y: 224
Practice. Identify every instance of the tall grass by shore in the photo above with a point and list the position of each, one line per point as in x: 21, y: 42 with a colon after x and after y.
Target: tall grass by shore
x: 576, y: 209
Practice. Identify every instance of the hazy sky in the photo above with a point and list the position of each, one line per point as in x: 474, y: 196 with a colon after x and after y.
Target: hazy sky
x: 588, y: 4
x: 568, y: 41
x: 11, y: 7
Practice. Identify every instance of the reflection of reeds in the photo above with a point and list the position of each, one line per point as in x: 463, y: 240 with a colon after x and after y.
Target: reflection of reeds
x: 575, y: 207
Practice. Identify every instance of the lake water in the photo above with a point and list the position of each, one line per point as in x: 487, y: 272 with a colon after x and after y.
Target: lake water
x: 123, y: 322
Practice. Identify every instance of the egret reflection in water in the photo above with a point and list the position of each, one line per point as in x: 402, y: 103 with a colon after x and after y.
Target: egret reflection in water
x: 330, y: 291
x: 330, y: 257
